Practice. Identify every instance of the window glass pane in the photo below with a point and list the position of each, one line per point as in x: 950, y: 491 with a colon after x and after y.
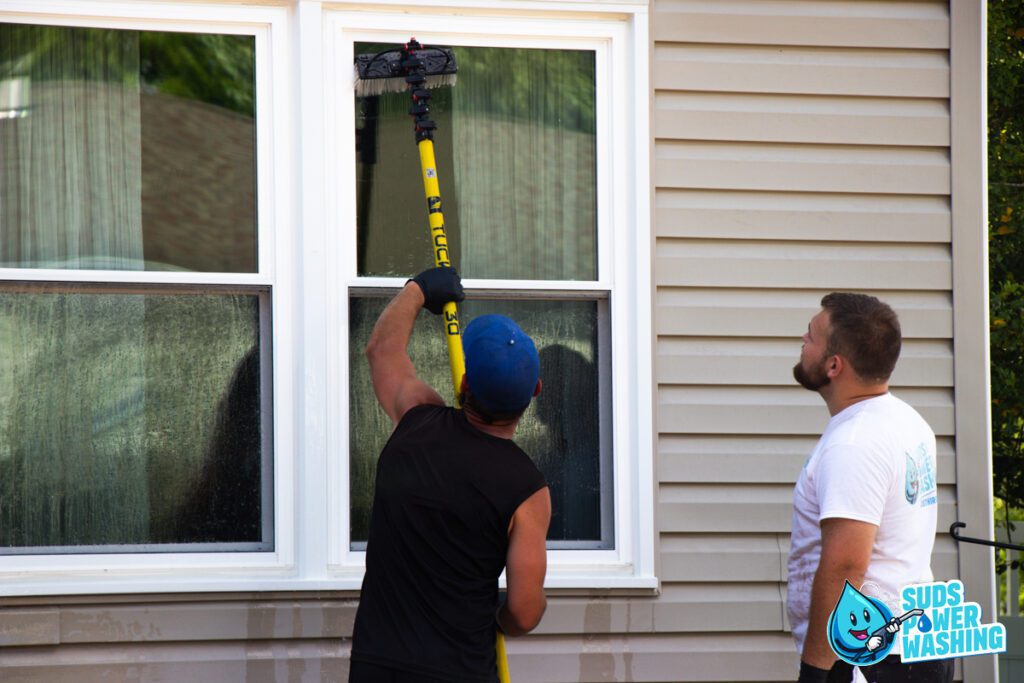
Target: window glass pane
x: 132, y: 418
x: 561, y: 430
x: 516, y: 157
x: 126, y: 150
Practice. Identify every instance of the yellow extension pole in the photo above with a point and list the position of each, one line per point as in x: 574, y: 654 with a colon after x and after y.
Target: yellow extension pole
x: 452, y: 331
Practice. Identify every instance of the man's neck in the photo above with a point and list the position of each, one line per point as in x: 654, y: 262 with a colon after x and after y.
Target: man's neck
x: 841, y: 398
x: 502, y: 430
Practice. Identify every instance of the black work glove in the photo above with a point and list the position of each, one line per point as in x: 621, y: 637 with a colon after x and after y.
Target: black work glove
x: 812, y: 674
x: 439, y: 286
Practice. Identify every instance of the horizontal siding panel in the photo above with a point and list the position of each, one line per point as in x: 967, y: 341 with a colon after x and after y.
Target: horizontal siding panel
x: 593, y: 615
x: 802, y: 168
x: 802, y: 216
x: 764, y: 657
x: 923, y: 363
x: 774, y: 410
x: 720, y: 508
x: 719, y: 607
x: 29, y: 626
x: 739, y: 459
x: 801, y: 70
x: 855, y: 23
x: 698, y: 656
x: 745, y: 509
x: 207, y: 621
x: 803, y: 119
x: 779, y: 313
x: 707, y: 557
x: 306, y: 661
x: 945, y: 557
x: 733, y: 263
x: 757, y: 557
x: 754, y: 459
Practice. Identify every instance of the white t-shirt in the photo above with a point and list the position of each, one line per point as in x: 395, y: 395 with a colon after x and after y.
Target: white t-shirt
x: 874, y: 463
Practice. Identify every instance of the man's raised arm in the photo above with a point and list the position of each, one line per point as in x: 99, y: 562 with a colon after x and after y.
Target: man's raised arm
x: 395, y: 382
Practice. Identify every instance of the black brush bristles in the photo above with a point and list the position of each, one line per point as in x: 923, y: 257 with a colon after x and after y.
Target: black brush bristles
x: 384, y: 72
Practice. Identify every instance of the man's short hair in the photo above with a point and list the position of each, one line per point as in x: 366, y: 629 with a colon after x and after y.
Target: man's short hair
x: 468, y: 400
x: 864, y: 331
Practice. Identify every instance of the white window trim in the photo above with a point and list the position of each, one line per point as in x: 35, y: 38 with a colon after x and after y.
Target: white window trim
x: 161, y: 572
x: 305, y: 154
x: 624, y: 257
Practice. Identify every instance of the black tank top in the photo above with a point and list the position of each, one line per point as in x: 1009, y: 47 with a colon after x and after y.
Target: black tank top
x: 443, y: 500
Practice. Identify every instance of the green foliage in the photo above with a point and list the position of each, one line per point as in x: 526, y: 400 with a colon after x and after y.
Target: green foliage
x: 546, y: 87
x: 216, y: 69
x: 1006, y: 243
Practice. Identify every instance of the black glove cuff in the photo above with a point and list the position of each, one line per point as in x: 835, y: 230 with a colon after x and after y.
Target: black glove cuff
x: 812, y: 674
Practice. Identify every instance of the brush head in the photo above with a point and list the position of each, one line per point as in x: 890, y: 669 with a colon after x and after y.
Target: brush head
x: 391, y: 70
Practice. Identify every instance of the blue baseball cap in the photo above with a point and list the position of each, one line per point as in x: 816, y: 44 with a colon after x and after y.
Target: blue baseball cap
x: 502, y: 366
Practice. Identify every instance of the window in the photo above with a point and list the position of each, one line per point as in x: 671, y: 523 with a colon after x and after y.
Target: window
x: 517, y: 135
x: 134, y: 417
x: 192, y: 252
x: 539, y: 229
x: 141, y: 276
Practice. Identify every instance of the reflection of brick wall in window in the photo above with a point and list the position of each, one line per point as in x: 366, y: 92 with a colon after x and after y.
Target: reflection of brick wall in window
x: 198, y: 185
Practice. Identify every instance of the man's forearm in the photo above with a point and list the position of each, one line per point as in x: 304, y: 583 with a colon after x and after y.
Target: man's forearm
x: 825, y: 592
x: 518, y: 624
x: 845, y: 553
x: 394, y: 327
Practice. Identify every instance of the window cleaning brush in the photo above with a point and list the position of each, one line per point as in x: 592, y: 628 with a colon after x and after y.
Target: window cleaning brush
x: 418, y: 69
x: 390, y: 70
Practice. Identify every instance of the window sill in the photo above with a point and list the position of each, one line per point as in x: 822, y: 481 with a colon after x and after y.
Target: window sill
x: 606, y: 580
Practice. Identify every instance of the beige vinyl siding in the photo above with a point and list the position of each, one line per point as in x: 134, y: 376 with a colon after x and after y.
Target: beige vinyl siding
x: 213, y: 638
x: 800, y: 147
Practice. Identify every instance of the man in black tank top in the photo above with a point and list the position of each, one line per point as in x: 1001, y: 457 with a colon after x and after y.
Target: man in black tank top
x: 455, y: 503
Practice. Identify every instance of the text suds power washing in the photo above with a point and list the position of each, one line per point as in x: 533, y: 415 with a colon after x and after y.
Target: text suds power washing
x: 949, y: 627
x: 937, y: 623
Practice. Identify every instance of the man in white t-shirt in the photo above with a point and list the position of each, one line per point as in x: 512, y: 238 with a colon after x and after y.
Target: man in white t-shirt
x: 864, y: 507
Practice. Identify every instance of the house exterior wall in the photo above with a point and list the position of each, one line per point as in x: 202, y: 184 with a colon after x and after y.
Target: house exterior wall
x: 797, y: 147
x: 800, y: 148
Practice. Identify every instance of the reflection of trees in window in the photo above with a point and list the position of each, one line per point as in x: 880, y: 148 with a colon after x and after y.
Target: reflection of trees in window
x: 216, y: 69
x: 137, y: 150
x: 547, y: 87
x: 516, y: 155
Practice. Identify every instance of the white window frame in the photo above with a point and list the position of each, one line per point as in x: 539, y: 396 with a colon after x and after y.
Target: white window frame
x: 624, y: 255
x: 160, y: 572
x: 306, y: 200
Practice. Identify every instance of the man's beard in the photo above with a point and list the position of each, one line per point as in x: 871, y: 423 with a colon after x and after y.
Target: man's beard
x: 814, y: 380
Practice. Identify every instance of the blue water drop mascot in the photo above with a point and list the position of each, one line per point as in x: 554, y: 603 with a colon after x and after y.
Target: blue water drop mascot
x: 861, y: 629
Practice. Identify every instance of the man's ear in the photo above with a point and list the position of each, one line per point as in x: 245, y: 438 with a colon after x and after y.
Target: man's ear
x: 536, y: 389
x: 834, y: 365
